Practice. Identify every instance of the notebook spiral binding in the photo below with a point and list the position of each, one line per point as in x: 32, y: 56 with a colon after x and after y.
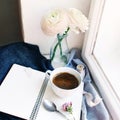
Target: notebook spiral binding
x: 39, y: 98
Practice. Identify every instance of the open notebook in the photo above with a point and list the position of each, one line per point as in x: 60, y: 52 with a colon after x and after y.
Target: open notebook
x: 24, y: 89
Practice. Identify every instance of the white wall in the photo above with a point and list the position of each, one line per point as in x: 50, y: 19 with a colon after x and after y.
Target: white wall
x: 33, y: 10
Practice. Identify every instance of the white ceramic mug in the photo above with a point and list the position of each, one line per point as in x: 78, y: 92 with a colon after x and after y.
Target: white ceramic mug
x: 62, y: 92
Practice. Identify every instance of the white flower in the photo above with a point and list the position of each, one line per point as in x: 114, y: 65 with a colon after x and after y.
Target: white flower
x: 59, y: 22
x: 77, y: 20
x: 56, y: 21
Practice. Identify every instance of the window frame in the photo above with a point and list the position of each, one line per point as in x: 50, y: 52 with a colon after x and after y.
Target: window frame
x: 108, y: 94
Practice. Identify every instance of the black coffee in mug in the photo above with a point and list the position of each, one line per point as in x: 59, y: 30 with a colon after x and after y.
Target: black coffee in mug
x: 65, y: 81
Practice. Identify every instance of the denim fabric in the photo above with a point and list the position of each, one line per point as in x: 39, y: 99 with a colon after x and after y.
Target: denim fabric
x: 23, y: 54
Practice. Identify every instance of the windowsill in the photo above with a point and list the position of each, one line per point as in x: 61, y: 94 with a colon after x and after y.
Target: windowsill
x: 107, y: 91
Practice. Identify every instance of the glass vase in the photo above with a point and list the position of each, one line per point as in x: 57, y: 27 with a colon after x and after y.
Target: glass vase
x: 59, y: 52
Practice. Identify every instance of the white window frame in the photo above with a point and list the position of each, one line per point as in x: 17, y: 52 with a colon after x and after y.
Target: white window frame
x: 108, y: 94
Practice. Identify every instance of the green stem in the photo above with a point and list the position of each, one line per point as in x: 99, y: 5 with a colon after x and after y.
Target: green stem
x: 60, y: 38
x: 59, y: 43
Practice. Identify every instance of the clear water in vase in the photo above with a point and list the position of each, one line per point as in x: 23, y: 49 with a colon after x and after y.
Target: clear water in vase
x: 59, y: 53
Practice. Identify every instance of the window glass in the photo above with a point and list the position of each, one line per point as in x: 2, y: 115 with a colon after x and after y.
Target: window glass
x: 107, y: 46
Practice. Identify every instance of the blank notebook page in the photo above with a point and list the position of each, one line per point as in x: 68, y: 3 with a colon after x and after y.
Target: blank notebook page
x: 19, y: 91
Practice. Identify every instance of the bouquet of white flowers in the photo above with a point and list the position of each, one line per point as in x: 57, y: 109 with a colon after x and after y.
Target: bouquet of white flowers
x: 59, y: 22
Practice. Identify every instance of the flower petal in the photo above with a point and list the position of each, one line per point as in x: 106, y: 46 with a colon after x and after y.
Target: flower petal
x: 54, y: 22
